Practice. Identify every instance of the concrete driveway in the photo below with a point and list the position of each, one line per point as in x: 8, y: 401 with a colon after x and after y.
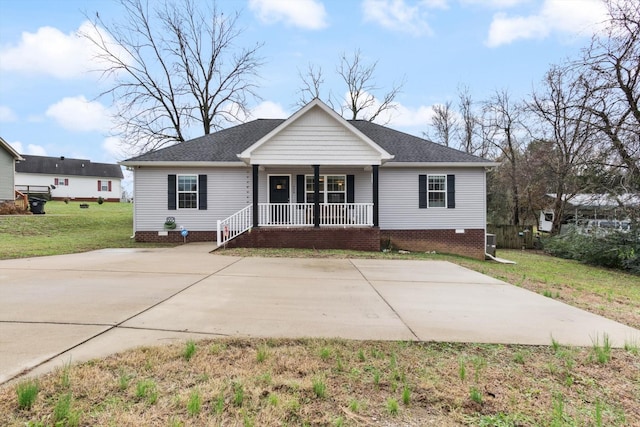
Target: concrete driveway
x: 76, y: 307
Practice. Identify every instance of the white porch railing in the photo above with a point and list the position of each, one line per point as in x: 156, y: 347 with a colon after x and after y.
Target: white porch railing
x: 301, y: 214
x: 234, y: 225
x: 295, y: 215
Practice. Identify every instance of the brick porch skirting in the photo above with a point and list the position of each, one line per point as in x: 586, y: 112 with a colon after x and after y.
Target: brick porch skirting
x: 471, y: 243
x: 174, y: 236
x: 359, y: 239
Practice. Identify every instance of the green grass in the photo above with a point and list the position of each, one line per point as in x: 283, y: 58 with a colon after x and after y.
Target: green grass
x: 27, y: 393
x: 65, y: 229
x: 189, y: 350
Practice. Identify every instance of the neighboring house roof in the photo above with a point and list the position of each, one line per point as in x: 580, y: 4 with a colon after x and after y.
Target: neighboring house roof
x: 9, y: 149
x: 67, y: 167
x: 602, y: 201
x: 396, y: 148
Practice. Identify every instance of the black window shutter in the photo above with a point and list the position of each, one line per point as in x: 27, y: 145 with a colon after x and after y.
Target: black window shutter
x: 202, y: 192
x: 300, y: 189
x: 451, y: 191
x: 422, y: 191
x: 171, y: 192
x: 351, y: 191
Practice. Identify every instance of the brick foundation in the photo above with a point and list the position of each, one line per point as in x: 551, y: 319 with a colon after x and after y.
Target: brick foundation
x: 174, y: 236
x: 471, y: 243
x: 359, y: 239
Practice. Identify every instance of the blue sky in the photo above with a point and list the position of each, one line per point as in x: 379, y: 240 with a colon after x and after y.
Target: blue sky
x: 49, y: 104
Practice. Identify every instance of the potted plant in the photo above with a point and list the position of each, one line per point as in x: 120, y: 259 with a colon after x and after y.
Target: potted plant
x: 170, y: 223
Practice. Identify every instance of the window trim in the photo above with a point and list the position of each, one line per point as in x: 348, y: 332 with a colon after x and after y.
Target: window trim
x: 196, y: 191
x: 443, y: 191
x: 324, y: 178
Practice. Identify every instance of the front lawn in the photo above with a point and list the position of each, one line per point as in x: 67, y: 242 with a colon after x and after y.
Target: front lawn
x: 66, y: 228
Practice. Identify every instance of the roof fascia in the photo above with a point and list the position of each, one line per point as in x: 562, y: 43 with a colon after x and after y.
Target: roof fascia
x: 4, y: 144
x: 245, y: 156
x: 441, y: 164
x: 166, y: 163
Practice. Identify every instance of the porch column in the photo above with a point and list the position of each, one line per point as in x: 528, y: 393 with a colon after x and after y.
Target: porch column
x: 316, y: 195
x: 255, y: 195
x: 375, y: 195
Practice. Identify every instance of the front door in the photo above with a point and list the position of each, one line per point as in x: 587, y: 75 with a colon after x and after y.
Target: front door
x: 279, y: 194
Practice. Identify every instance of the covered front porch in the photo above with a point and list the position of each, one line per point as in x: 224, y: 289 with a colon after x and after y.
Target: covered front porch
x: 306, y: 197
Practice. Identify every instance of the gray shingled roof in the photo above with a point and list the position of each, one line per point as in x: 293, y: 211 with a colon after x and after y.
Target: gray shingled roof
x: 223, y: 146
x: 67, y: 167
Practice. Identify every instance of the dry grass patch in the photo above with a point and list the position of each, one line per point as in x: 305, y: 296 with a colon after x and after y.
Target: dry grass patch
x: 339, y: 382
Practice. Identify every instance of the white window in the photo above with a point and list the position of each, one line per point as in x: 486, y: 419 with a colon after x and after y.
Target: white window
x: 333, y: 188
x: 188, y: 191
x: 437, y: 191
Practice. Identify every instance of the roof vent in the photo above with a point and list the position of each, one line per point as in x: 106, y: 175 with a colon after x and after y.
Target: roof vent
x: 61, y: 157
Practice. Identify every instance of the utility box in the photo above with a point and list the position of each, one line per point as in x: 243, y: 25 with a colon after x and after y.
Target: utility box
x: 491, y: 245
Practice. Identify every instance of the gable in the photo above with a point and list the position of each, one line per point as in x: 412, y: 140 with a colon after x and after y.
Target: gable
x: 315, y: 135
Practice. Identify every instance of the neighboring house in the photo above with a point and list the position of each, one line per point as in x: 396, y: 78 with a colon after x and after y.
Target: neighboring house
x: 8, y: 157
x: 75, y: 179
x: 314, y: 180
x: 582, y: 207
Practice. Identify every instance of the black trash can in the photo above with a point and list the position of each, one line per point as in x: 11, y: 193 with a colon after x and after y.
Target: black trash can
x: 37, y: 205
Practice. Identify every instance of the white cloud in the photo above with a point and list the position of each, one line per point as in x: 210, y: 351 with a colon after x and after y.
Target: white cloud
x: 396, y: 15
x: 498, y: 4
x: 32, y: 149
x: 307, y: 14
x: 78, y: 114
x: 269, y: 110
x: 398, y: 116
x: 49, y: 51
x: 7, y: 115
x: 116, y: 150
x: 554, y: 16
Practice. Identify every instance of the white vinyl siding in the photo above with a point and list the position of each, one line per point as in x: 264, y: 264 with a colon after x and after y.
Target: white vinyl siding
x: 228, y: 191
x: 315, y: 139
x: 7, y: 172
x: 399, y: 209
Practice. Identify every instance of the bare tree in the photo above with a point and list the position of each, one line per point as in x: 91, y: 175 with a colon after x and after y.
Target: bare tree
x: 502, y: 127
x: 560, y: 106
x: 359, y: 80
x: 467, y: 128
x: 173, y: 66
x: 443, y: 123
x: 312, y: 81
x: 611, y: 66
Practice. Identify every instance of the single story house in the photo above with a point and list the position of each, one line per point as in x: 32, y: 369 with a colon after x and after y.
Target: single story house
x: 314, y: 180
x: 75, y: 179
x: 8, y: 158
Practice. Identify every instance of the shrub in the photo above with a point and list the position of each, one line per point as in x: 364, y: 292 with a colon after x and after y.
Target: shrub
x: 100, y: 200
x: 614, y: 250
x: 10, y: 208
